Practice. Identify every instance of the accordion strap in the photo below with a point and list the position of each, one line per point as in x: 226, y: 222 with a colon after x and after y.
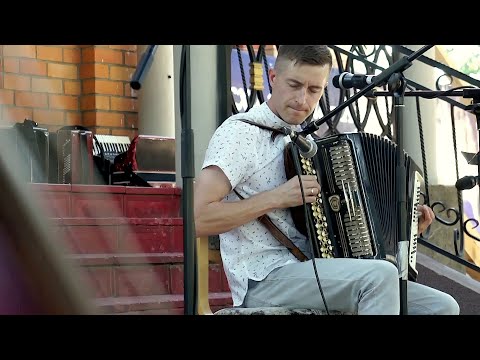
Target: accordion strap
x: 274, y: 131
x: 279, y: 235
x: 264, y: 219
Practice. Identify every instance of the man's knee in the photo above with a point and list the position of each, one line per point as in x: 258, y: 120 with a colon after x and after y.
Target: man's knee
x: 449, y: 306
x: 385, y: 272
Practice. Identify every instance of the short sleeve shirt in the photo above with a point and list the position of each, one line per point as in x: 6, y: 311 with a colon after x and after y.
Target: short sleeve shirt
x: 253, y: 163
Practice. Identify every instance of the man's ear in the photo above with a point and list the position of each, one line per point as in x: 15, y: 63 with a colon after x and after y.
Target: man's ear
x: 272, y: 74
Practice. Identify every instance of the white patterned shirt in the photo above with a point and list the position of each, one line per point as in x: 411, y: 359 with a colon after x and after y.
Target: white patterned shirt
x: 252, y: 164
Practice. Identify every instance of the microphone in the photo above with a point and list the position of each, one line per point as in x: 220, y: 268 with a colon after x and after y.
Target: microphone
x: 307, y: 148
x: 347, y: 80
x: 466, y: 182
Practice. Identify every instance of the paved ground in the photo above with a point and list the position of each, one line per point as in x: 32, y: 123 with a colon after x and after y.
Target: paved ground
x: 463, y: 288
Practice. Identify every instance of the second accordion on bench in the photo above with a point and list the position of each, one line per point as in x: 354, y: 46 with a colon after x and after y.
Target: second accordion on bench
x: 356, y: 214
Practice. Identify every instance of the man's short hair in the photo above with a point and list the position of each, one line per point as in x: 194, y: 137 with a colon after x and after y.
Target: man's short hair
x: 306, y: 54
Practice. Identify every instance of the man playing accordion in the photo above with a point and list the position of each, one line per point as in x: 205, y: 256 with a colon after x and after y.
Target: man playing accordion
x: 243, y: 177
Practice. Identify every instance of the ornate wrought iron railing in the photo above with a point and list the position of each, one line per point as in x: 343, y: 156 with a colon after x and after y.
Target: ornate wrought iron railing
x: 250, y: 86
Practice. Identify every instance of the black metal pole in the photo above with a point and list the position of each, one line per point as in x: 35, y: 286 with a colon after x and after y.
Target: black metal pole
x: 187, y: 168
x: 188, y: 174
x: 429, y: 94
x: 401, y: 186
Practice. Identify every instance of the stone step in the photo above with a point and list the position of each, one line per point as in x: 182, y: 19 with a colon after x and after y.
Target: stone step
x: 99, y: 201
x: 156, y: 304
x: 118, y: 235
x: 139, y: 274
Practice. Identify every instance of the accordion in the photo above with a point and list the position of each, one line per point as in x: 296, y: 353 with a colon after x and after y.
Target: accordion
x: 30, y: 144
x: 74, y: 156
x: 86, y: 158
x: 149, y: 161
x: 356, y: 213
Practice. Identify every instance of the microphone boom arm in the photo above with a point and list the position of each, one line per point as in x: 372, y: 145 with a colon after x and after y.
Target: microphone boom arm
x: 380, y: 80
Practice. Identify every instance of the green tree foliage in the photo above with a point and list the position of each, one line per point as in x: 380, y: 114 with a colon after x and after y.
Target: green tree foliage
x: 470, y: 58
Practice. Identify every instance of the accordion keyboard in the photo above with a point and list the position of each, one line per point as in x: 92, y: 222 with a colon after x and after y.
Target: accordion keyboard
x: 112, y: 145
x: 412, y: 253
x: 321, y: 225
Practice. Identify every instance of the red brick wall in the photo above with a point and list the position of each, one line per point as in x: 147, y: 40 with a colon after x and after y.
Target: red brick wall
x: 57, y: 85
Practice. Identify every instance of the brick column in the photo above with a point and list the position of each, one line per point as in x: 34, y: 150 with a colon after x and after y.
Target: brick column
x: 108, y: 104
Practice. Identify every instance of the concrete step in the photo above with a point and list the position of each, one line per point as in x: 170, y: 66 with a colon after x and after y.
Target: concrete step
x: 461, y: 286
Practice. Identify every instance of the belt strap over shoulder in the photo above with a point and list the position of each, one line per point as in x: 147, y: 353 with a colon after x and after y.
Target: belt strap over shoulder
x: 275, y: 131
x: 279, y: 235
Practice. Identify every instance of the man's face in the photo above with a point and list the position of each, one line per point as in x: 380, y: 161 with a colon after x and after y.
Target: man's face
x: 296, y: 90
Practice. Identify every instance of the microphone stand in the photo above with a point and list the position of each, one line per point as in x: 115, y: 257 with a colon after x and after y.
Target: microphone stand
x: 398, y: 87
x: 397, y: 83
x: 188, y: 174
x: 187, y: 169
x: 469, y: 93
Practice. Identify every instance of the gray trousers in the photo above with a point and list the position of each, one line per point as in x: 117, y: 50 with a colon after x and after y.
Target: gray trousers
x: 360, y: 286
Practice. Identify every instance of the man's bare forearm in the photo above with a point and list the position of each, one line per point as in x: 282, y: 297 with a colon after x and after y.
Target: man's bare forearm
x: 219, y: 217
